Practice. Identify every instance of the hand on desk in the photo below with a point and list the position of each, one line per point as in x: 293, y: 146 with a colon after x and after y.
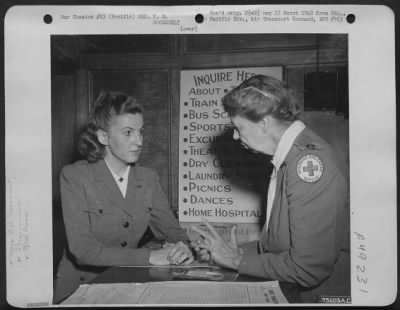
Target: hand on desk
x: 226, y: 254
x: 172, y: 254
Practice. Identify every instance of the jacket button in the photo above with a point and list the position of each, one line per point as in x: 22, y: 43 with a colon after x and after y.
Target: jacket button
x: 126, y: 224
x: 101, y: 211
x: 123, y: 244
x: 82, y: 278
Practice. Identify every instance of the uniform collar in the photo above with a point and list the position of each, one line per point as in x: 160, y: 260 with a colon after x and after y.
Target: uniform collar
x: 286, y: 142
x: 117, y: 177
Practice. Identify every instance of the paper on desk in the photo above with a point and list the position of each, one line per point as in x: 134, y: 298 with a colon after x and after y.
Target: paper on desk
x: 184, y: 292
x: 108, y: 293
x: 179, y: 292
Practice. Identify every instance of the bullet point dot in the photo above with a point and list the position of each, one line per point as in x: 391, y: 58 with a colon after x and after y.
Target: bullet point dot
x: 184, y: 152
x: 185, y: 188
x: 185, y: 176
x: 351, y: 18
x: 185, y: 200
x: 48, y: 19
x: 185, y: 140
x: 185, y: 127
x: 185, y: 115
x: 185, y: 164
x: 185, y: 103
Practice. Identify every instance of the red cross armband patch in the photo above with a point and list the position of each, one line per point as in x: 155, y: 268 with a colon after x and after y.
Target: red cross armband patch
x: 310, y: 168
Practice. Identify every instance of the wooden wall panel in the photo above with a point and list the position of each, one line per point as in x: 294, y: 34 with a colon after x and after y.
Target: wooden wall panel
x: 63, y: 117
x: 128, y: 44
x: 174, y: 138
x: 83, y: 98
x: 205, y: 61
x: 205, y: 43
x: 63, y: 128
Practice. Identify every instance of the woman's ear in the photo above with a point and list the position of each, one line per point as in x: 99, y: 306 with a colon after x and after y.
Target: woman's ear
x: 265, y: 123
x: 102, y: 136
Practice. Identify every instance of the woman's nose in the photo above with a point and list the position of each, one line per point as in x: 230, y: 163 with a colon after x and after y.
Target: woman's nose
x: 138, y: 138
x: 235, y: 134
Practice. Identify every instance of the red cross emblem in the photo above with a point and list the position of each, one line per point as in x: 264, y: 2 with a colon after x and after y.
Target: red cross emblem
x: 310, y: 168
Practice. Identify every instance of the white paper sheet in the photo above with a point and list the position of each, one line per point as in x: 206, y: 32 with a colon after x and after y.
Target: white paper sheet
x: 179, y: 292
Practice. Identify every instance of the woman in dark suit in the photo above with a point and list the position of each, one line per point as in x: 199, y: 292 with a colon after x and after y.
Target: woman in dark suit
x: 108, y: 201
x: 305, y: 239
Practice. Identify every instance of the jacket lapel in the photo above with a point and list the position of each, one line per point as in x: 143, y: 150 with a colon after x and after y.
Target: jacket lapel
x: 135, y: 192
x: 134, y: 188
x: 280, y: 188
x: 107, y: 188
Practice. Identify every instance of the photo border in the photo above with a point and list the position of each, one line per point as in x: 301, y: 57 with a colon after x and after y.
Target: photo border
x: 191, y: 1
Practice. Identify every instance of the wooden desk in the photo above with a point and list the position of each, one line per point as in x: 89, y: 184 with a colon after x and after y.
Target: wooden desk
x: 155, y: 274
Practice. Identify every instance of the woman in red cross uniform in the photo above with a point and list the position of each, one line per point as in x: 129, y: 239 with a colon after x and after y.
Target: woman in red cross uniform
x: 305, y: 239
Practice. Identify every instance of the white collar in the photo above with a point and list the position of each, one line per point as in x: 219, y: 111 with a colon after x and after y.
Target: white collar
x: 117, y: 177
x: 286, y: 142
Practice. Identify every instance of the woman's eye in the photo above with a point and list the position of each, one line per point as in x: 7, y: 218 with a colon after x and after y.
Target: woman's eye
x: 128, y: 133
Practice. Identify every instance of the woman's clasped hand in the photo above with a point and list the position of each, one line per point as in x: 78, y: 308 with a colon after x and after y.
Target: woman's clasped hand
x: 172, y: 254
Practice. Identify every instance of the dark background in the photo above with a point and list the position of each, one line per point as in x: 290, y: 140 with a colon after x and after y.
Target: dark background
x: 68, y: 74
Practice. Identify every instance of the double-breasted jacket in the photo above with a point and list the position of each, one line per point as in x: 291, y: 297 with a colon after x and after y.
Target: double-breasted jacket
x: 103, y: 228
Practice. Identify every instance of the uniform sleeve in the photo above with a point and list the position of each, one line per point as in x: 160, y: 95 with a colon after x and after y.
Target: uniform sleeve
x: 163, y: 223
x: 315, y: 213
x: 81, y: 241
x: 250, y: 248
